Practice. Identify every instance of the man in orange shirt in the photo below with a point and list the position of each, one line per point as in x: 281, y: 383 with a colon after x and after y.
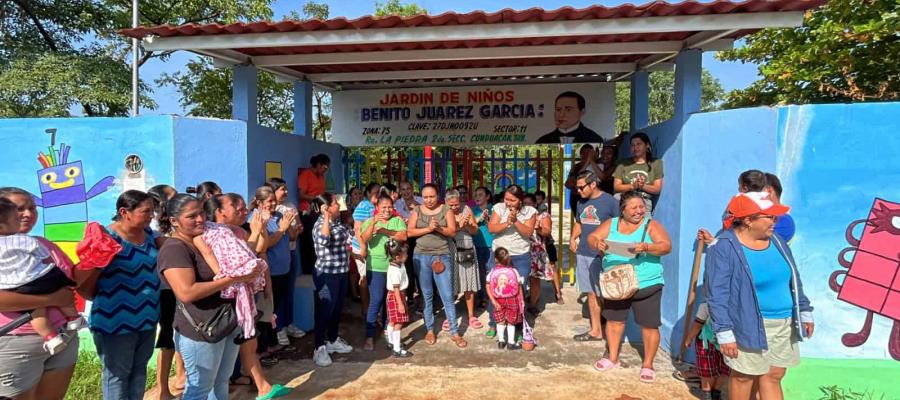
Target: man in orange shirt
x: 311, y: 181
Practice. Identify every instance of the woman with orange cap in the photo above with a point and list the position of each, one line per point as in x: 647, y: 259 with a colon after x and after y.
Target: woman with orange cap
x: 755, y: 297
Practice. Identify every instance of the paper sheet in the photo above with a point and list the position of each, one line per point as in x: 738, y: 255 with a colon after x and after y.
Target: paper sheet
x: 620, y: 248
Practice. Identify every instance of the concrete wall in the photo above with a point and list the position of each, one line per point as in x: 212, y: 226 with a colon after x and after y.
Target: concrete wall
x: 209, y: 149
x: 101, y: 144
x: 834, y: 161
x: 293, y: 151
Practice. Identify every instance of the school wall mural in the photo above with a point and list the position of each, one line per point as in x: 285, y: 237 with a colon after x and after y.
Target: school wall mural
x: 838, y: 164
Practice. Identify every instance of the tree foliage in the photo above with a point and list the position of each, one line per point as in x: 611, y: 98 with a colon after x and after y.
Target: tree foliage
x: 846, y: 50
x: 206, y: 91
x: 58, y: 55
x: 662, y: 98
x: 395, y: 7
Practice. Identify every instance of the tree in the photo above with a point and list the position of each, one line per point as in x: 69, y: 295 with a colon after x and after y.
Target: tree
x: 37, y: 37
x: 662, y: 98
x: 395, y: 7
x: 206, y: 91
x: 845, y: 51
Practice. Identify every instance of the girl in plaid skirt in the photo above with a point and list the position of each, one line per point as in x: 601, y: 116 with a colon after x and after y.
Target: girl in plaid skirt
x: 397, y: 282
x: 710, y: 364
x: 506, y: 294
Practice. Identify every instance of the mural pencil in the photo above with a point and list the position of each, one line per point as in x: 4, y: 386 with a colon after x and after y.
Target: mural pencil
x: 65, y: 154
x: 43, y: 160
x: 50, y: 157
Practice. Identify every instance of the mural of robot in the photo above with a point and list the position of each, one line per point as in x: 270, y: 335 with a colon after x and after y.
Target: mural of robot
x: 872, y: 277
x: 63, y: 196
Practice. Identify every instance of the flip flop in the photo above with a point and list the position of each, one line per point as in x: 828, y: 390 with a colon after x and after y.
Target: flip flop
x: 586, y: 337
x: 604, y: 364
x: 474, y: 323
x: 277, y: 391
x: 446, y: 326
x: 459, y: 341
x: 430, y: 338
x: 647, y: 375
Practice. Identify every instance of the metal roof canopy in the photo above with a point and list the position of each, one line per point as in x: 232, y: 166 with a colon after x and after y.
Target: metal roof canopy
x: 566, y: 45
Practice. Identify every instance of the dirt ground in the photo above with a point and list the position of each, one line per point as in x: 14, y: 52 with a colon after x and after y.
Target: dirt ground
x: 559, y: 368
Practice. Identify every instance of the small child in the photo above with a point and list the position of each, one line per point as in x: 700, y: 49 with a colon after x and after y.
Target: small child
x: 506, y: 295
x: 27, y: 267
x: 710, y: 363
x: 230, y: 256
x: 397, y: 282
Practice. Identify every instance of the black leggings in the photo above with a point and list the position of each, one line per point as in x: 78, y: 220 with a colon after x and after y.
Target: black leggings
x: 281, y: 285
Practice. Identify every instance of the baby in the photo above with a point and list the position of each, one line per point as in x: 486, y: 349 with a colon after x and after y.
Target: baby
x: 27, y: 267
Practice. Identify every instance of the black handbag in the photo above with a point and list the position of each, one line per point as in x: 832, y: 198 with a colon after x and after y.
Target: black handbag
x: 216, y: 328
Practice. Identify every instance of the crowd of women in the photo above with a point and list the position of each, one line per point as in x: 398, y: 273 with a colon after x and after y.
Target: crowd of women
x: 206, y: 276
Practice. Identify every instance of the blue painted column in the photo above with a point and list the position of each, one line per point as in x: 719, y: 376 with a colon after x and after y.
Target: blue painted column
x: 243, y: 94
x: 640, y: 100
x: 688, y: 68
x: 303, y: 104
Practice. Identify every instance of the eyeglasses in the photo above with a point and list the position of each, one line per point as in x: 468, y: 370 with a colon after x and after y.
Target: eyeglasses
x: 580, y: 188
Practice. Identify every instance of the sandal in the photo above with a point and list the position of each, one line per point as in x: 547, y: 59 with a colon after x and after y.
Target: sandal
x: 430, y: 338
x: 586, y: 337
x: 559, y: 299
x: 460, y: 342
x: 604, y: 364
x: 474, y: 323
x: 446, y: 326
x: 269, y: 361
x: 277, y: 391
x: 491, y: 332
x: 648, y: 375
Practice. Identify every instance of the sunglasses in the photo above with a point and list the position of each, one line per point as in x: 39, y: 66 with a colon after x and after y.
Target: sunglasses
x: 582, y: 186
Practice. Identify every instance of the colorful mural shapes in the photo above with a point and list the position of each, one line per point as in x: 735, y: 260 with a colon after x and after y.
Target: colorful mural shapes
x: 63, y: 196
x: 872, y: 278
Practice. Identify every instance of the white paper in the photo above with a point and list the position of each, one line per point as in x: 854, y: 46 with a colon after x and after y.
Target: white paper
x: 620, y: 248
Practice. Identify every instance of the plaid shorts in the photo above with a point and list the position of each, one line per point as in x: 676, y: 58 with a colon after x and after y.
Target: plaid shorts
x: 710, y: 363
x: 510, y: 311
x: 394, y: 314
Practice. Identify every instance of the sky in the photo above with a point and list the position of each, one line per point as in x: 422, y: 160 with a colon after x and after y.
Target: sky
x: 732, y: 75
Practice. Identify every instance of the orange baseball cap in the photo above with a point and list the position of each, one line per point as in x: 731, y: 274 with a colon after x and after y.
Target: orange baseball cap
x: 750, y: 203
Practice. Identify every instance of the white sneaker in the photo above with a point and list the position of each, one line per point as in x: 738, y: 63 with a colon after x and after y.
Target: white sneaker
x: 321, y: 357
x: 283, y: 338
x: 294, y: 332
x: 76, y: 324
x: 56, y: 344
x: 339, y: 346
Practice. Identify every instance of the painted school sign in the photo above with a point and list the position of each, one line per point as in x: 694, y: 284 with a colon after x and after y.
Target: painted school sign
x: 464, y: 116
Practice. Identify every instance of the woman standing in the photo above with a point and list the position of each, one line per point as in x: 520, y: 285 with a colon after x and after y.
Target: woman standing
x: 483, y: 239
x: 208, y: 361
x: 205, y: 190
x: 634, y: 226
x: 373, y: 235
x: 434, y: 225
x: 125, y: 296
x: 229, y: 209
x: 38, y: 375
x: 330, y: 278
x: 755, y: 297
x: 286, y: 313
x: 641, y: 173
x: 542, y: 259
x: 278, y: 255
x: 466, y: 277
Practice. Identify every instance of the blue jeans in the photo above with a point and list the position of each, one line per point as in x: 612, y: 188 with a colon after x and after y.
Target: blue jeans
x: 207, y: 366
x: 444, y: 281
x: 124, y: 358
x: 377, y: 282
x: 522, y: 264
x: 331, y: 289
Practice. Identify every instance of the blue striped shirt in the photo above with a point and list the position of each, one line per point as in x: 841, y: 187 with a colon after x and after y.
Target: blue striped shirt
x: 127, y: 296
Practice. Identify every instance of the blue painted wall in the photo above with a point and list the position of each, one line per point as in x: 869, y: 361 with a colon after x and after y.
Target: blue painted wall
x: 209, y: 149
x: 834, y: 160
x: 267, y: 144
x: 100, y: 143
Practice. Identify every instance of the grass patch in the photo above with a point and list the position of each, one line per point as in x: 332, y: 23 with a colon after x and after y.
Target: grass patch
x: 838, y: 393
x: 86, y: 382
